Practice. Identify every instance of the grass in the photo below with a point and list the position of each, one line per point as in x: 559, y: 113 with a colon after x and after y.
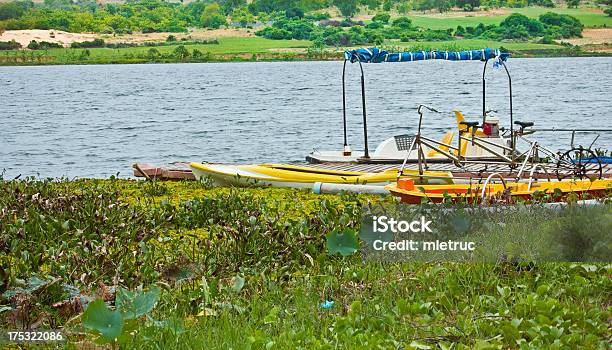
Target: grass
x: 474, y: 44
x: 240, y: 49
x: 226, y: 46
x: 248, y: 268
x: 227, y: 49
x: 589, y: 18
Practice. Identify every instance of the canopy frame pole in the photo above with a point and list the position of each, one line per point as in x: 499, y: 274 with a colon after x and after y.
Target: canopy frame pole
x: 484, y: 96
x: 512, y: 139
x: 366, y: 153
x: 344, y: 103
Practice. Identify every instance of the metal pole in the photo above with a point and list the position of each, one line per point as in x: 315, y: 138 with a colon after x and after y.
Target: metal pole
x: 365, y: 123
x: 344, y: 103
x: 484, y: 95
x: 511, y: 116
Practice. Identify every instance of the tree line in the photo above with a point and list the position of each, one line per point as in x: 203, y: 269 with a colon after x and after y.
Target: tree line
x: 548, y: 27
x: 160, y: 16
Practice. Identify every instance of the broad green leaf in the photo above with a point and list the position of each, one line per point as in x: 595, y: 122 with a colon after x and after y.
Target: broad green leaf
x: 419, y: 345
x: 205, y: 291
x: 182, y: 274
x: 99, y: 318
x: 129, y: 326
x: 207, y: 312
x: 344, y: 242
x: 229, y: 306
x: 135, y: 304
x: 238, y: 284
x: 272, y: 316
x: 445, y: 345
x: 174, y: 325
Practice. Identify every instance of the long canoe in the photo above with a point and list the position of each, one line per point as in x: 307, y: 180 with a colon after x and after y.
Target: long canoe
x: 295, y: 176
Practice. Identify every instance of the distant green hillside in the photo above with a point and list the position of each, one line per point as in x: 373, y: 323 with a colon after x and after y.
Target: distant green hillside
x: 587, y: 16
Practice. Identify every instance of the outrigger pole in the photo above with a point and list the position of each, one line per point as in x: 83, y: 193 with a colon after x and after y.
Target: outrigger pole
x: 363, y: 105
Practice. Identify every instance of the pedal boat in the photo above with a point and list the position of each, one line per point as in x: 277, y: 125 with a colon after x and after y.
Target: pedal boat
x: 474, y: 193
x: 295, y: 176
x: 400, y: 148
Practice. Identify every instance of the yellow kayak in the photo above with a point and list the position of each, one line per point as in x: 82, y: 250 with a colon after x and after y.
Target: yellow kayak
x: 415, y: 194
x: 295, y: 176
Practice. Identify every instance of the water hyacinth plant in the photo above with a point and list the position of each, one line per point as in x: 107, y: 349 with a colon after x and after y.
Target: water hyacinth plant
x: 123, y: 263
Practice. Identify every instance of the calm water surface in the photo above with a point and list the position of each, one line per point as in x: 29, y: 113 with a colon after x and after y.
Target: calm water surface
x: 95, y: 121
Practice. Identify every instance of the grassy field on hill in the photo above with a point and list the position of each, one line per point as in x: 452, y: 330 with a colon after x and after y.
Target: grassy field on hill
x: 587, y: 16
x: 475, y: 44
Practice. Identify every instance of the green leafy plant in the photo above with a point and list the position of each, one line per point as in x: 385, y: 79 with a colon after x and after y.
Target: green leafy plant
x: 98, y: 318
x: 112, y: 325
x: 344, y: 242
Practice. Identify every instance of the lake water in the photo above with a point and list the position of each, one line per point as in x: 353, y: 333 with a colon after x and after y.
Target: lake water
x: 95, y: 121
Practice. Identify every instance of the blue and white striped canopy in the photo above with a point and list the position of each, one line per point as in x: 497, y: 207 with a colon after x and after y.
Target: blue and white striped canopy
x: 376, y: 55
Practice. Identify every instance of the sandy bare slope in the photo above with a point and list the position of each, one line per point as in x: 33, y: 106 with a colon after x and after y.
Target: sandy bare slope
x: 594, y: 36
x: 56, y: 36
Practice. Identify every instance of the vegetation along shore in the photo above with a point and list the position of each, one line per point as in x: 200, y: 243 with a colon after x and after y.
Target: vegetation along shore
x: 180, y: 265
x: 152, y: 31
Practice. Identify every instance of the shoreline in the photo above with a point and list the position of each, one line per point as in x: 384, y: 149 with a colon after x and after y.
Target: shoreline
x: 281, y: 57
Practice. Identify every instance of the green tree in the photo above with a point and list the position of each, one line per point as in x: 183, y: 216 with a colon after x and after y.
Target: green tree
x: 153, y: 54
x: 607, y: 11
x: 559, y: 25
x: 516, y: 21
x: 347, y: 7
x: 33, y: 45
x: 402, y: 22
x: 119, y: 24
x: 294, y: 12
x: 573, y: 3
x: 229, y: 6
x: 517, y: 3
x: 11, y: 10
x: 382, y: 18
x: 213, y: 16
x: 404, y: 7
x: 424, y: 5
x: 242, y: 17
x: 371, y: 4
x: 442, y: 5
x: 467, y: 5
x: 181, y: 52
